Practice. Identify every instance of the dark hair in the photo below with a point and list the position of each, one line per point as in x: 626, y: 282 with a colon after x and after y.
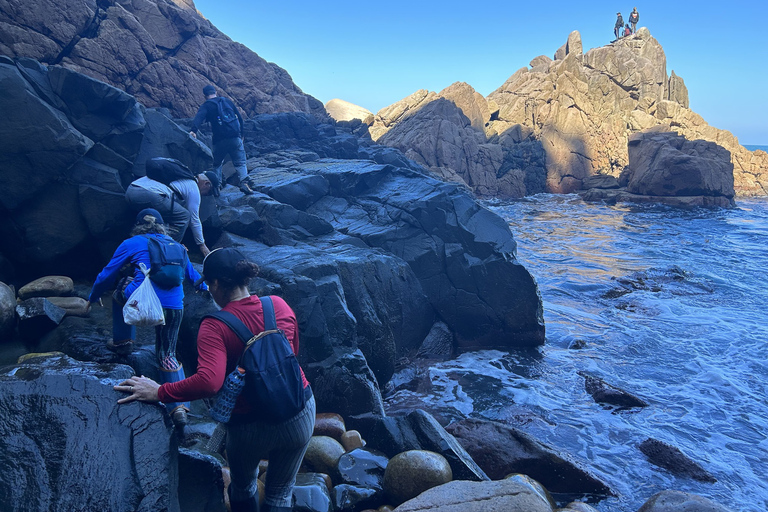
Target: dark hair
x: 242, y: 274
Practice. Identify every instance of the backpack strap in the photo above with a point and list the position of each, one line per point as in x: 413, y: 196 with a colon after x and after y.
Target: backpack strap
x: 270, y: 322
x: 238, y: 327
x: 234, y: 323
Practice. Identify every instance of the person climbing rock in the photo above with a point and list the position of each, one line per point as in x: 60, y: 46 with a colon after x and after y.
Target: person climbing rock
x: 634, y: 18
x: 174, y: 191
x: 251, y: 435
x: 618, y: 27
x: 227, y: 126
x: 149, y: 229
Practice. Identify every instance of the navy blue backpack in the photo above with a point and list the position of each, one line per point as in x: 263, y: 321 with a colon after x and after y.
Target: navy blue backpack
x: 168, y: 261
x: 273, y: 383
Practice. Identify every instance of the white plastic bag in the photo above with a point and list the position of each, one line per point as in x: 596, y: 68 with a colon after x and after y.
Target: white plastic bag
x: 143, y: 308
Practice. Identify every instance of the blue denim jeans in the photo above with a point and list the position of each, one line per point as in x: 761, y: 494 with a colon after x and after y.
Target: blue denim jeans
x: 234, y: 148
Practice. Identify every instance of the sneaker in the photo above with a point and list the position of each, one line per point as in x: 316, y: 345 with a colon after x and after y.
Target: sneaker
x: 122, y: 348
x: 179, y: 417
x: 245, y: 189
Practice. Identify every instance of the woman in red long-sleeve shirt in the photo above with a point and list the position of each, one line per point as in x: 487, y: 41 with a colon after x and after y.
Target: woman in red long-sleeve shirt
x: 227, y: 273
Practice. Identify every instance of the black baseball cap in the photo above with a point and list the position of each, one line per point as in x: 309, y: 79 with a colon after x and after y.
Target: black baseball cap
x: 215, y: 183
x: 221, y: 264
x: 208, y: 90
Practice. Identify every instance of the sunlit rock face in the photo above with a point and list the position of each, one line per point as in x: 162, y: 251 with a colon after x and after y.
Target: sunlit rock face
x: 341, y: 110
x: 163, y: 52
x: 563, y: 120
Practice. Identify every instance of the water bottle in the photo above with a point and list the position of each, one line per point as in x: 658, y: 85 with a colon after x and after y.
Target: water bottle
x: 227, y: 397
x: 225, y: 403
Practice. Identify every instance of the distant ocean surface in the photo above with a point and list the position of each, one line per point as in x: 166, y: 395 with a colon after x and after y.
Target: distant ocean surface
x: 691, y: 338
x: 752, y: 147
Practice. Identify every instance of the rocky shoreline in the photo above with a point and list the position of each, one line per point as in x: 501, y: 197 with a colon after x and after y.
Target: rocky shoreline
x: 380, y: 248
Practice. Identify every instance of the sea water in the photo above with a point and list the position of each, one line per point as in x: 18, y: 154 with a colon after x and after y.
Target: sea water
x: 669, y: 304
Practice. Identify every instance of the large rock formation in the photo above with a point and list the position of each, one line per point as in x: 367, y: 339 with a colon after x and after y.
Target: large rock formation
x: 563, y: 120
x: 161, y: 51
x: 369, y: 254
x: 65, y: 442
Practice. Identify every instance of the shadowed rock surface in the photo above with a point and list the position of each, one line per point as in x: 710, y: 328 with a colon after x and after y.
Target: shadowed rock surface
x: 163, y: 52
x: 673, y: 460
x: 501, y: 450
x: 604, y: 393
x: 64, y: 441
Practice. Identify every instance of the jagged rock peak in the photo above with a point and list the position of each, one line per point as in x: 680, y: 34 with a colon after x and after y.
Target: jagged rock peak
x: 163, y: 52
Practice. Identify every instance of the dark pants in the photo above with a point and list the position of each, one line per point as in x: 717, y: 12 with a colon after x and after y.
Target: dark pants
x: 234, y: 148
x: 176, y: 217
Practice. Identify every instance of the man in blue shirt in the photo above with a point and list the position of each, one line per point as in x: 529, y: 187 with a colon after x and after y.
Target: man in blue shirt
x: 227, y: 134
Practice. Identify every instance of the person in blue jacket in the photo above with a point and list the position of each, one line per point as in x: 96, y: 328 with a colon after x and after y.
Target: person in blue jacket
x: 134, y: 250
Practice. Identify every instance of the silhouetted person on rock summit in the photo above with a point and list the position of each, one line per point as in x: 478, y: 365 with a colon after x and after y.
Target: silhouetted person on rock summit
x: 634, y: 18
x: 227, y: 126
x: 619, y: 26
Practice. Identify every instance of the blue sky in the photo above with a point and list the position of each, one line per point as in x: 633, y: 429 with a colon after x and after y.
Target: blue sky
x: 374, y: 53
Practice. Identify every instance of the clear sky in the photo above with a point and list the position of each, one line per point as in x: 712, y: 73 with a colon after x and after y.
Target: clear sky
x: 374, y: 53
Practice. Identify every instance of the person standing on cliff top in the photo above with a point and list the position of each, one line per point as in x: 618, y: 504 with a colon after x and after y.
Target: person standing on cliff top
x: 618, y: 27
x: 227, y: 126
x: 634, y: 18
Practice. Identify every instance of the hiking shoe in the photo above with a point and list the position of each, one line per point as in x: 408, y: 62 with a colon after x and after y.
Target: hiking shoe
x: 122, y: 348
x: 245, y: 188
x: 179, y: 417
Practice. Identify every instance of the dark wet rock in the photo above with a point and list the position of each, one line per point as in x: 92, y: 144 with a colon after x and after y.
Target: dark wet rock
x: 428, y: 224
x: 673, y: 460
x: 577, y: 344
x: 362, y: 467
x: 438, y: 343
x: 323, y: 454
x: 410, y: 473
x: 412, y: 376
x: 201, y: 483
x: 417, y: 430
x: 674, y: 280
x: 311, y: 494
x: 677, y: 501
x: 57, y: 286
x: 351, y: 498
x: 38, y: 316
x: 344, y: 382
x: 329, y: 424
x: 604, y: 393
x: 501, y: 450
x: 7, y: 311
x: 64, y: 441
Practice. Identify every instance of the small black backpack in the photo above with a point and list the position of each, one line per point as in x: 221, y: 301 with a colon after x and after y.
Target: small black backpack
x: 168, y: 262
x: 166, y: 170
x: 273, y: 383
x: 229, y: 124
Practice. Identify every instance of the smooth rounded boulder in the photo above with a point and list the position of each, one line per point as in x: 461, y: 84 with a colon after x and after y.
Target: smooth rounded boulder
x: 677, y: 501
x: 323, y: 454
x: 507, y: 495
x: 410, y: 473
x: 48, y: 286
